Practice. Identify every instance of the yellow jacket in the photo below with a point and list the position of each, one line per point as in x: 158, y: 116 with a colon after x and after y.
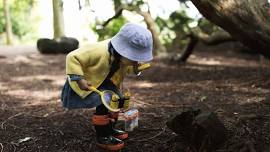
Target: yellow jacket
x: 93, y: 62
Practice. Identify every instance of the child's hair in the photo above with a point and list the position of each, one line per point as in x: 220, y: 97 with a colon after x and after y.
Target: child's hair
x: 116, y: 62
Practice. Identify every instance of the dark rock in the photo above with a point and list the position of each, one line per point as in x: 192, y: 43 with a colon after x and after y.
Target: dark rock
x: 63, y: 45
x: 200, y: 130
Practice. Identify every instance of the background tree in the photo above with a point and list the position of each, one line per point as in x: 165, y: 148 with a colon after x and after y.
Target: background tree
x: 8, y: 24
x: 58, y: 19
x: 175, y: 30
x: 20, y: 16
x: 187, y: 32
x: 246, y: 21
x: 135, y: 6
x: 205, y: 33
x: 111, y: 28
x: 60, y: 43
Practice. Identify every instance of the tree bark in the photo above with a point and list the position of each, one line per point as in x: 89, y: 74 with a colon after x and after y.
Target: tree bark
x: 8, y: 25
x: 213, y: 39
x: 117, y: 5
x: 58, y: 19
x: 188, y: 49
x: 246, y: 20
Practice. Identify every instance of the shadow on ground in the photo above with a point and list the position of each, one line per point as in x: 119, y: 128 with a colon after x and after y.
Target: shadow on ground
x: 32, y: 118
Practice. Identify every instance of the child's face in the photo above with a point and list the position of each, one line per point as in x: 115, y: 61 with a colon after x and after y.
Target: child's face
x: 128, y: 62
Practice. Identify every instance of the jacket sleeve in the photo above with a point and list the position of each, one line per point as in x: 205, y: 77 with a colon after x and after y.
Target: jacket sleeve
x: 75, y: 77
x: 78, y: 59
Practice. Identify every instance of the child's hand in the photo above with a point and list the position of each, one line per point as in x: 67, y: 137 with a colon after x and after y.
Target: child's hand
x: 83, y: 84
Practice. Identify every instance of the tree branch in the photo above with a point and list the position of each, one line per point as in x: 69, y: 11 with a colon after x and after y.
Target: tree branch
x: 195, y: 37
x: 116, y: 15
x: 213, y: 39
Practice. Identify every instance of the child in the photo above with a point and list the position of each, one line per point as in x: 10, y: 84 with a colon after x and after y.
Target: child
x: 103, y: 65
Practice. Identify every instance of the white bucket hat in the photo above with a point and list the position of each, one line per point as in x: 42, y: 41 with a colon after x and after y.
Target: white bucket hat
x: 134, y: 42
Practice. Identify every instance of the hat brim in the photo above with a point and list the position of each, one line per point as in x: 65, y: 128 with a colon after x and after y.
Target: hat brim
x: 122, y: 46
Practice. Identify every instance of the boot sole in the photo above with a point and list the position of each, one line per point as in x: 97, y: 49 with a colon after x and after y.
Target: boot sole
x: 111, y: 147
x: 122, y: 137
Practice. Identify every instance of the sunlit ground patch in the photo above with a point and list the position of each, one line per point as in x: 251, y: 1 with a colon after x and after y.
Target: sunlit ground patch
x: 43, y: 95
x: 228, y: 62
x: 3, y: 86
x: 144, y: 84
x: 56, y: 80
x: 26, y: 60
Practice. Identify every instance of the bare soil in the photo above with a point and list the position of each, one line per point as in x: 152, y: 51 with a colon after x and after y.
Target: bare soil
x: 235, y: 86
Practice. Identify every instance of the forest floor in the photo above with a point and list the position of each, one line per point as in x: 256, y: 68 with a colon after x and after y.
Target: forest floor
x: 233, y: 85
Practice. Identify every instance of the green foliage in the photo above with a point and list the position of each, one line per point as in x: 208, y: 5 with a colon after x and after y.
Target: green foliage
x: 165, y: 27
x: 134, y: 2
x: 2, y: 19
x: 207, y: 26
x: 139, y: 2
x: 178, y: 25
x: 180, y: 21
x: 111, y: 29
x: 20, y: 17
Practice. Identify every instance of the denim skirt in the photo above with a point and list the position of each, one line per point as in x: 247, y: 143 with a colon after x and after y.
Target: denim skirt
x: 71, y: 100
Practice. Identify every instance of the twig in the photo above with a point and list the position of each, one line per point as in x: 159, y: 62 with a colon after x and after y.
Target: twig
x: 2, y: 124
x: 87, y: 118
x: 34, y: 116
x: 250, y: 146
x: 2, y: 147
x: 149, y: 129
x: 61, y: 132
x: 90, y: 146
x: 36, y: 144
x: 14, y: 126
x: 14, y: 146
x: 162, y: 131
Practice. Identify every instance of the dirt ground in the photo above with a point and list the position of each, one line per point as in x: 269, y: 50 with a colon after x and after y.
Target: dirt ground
x: 235, y: 86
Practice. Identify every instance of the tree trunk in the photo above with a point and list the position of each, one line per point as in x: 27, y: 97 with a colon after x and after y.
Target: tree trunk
x: 150, y: 22
x: 246, y: 20
x: 188, y: 49
x: 8, y: 25
x: 58, y: 19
